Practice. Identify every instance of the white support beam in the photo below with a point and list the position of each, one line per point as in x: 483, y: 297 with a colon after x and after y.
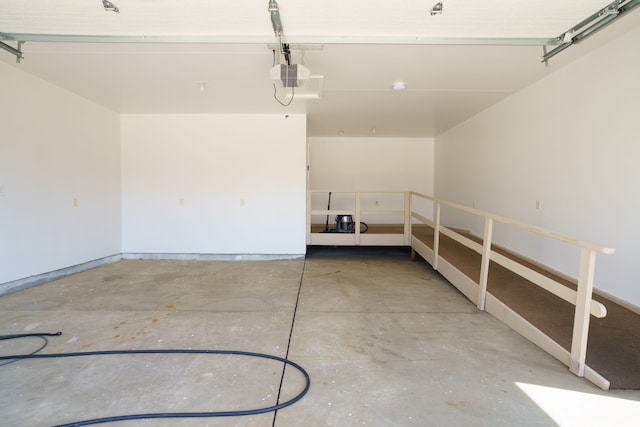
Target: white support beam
x: 308, y: 233
x: 422, y: 218
x: 484, y: 265
x: 357, y: 218
x: 436, y: 234
x: 582, y: 313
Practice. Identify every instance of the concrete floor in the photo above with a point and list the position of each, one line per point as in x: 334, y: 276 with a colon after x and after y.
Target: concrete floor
x: 387, y: 342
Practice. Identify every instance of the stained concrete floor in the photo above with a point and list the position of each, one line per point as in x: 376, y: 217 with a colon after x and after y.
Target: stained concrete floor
x: 386, y: 341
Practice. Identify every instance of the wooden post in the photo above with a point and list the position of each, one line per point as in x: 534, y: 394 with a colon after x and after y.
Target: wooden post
x: 308, y: 216
x: 436, y: 233
x: 582, y: 313
x: 407, y: 218
x: 357, y: 219
x: 484, y: 266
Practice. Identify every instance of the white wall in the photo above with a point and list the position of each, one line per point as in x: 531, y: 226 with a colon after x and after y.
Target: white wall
x: 370, y: 164
x: 572, y: 141
x: 214, y: 184
x: 55, y: 147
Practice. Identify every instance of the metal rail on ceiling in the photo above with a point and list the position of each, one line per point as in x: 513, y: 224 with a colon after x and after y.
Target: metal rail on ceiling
x: 587, y: 27
x: 268, y: 39
x: 591, y: 25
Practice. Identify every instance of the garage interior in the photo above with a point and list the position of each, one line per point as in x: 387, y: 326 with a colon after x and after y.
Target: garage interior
x: 386, y: 341
x: 154, y: 195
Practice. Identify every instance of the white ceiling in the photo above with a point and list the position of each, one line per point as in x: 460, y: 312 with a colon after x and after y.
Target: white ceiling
x: 359, y: 47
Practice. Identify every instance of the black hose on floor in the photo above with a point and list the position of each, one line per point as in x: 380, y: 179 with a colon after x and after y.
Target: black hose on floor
x: 276, y: 407
x: 42, y: 336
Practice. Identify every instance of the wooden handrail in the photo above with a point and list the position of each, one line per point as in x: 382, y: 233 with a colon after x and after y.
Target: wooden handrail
x: 362, y: 191
x: 581, y: 298
x: 519, y: 224
x: 357, y: 211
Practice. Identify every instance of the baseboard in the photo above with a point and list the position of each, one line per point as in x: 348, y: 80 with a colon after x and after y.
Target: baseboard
x: 212, y: 257
x: 29, y: 282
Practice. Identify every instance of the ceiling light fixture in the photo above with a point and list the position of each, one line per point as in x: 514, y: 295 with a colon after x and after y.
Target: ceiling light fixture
x: 110, y: 7
x: 399, y: 86
x: 436, y: 9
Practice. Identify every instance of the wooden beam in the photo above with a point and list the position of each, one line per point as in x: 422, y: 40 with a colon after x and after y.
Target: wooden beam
x: 436, y: 234
x: 407, y: 218
x: 581, y: 317
x: 558, y: 289
x: 484, y: 265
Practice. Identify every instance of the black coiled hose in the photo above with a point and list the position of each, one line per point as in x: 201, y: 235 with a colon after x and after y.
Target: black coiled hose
x: 272, y: 408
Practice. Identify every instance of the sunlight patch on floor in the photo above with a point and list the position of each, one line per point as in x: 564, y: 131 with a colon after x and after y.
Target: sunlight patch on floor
x: 573, y: 408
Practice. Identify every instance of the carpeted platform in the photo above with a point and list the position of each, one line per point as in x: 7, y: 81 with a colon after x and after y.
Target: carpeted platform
x: 614, y: 341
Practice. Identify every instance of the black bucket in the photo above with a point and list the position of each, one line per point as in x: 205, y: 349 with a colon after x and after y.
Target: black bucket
x: 345, y: 224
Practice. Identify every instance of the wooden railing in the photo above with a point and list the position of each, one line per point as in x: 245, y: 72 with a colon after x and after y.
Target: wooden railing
x: 357, y: 238
x: 420, y: 208
x: 580, y: 298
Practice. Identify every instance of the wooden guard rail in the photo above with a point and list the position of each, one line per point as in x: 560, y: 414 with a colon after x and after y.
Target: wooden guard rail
x: 477, y: 291
x: 581, y: 299
x: 360, y: 239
